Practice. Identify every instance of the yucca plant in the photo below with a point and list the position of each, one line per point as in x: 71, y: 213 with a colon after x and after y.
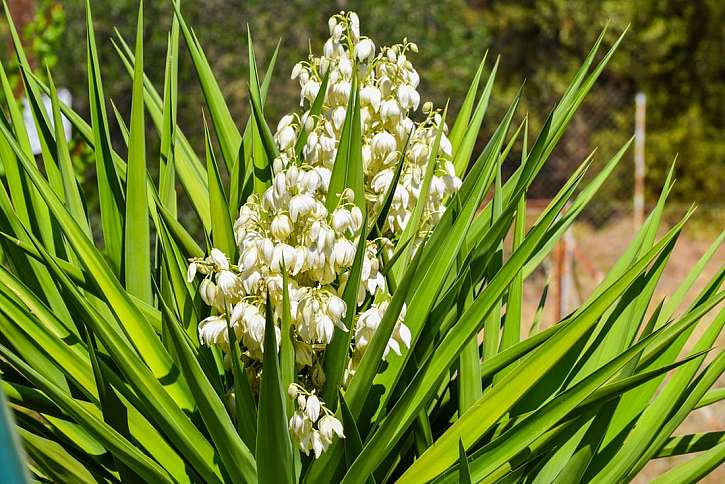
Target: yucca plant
x: 351, y: 313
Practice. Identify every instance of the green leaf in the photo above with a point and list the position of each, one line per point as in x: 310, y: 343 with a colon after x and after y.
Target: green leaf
x: 137, y: 240
x: 315, y: 110
x: 686, y: 444
x: 262, y: 164
x: 515, y: 300
x: 274, y: 448
x: 222, y: 233
x: 464, y: 113
x: 353, y: 442
x: 464, y: 474
x: 696, y: 468
x: 71, y: 190
x: 463, y: 150
x: 187, y: 165
x: 135, y: 324
x: 489, y: 409
x: 336, y: 353
x: 167, y: 178
x: 111, y: 439
x: 163, y: 403
x: 236, y: 457
x: 110, y: 193
x: 114, y: 413
x: 712, y: 396
x: 224, y: 126
x: 347, y: 172
x: 55, y: 460
x: 12, y: 467
x: 288, y: 373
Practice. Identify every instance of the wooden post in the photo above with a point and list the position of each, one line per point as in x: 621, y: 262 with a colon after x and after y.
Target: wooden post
x: 640, y: 101
x: 563, y: 274
x: 557, y: 280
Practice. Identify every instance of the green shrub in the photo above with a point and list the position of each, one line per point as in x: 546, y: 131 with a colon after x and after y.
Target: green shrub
x: 343, y: 344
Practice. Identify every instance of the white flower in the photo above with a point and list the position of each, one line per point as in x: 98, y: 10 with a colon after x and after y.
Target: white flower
x: 228, y: 283
x: 342, y: 220
x: 300, y: 205
x: 312, y: 408
x: 218, y: 258
x: 286, y: 138
x: 310, y: 90
x: 371, y: 96
x: 338, y: 117
x: 408, y: 97
x: 382, y: 181
x: 289, y: 226
x: 208, y: 292
x: 324, y: 327
x: 281, y: 226
x: 336, y: 307
x: 330, y: 427
x: 344, y: 254
x: 284, y: 256
x: 390, y: 110
x: 191, y: 272
x: 365, y: 50
x: 286, y: 119
x: 383, y: 143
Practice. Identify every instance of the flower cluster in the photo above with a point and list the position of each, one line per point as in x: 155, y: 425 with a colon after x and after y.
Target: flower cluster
x: 310, y: 412
x: 290, y: 231
x: 388, y: 97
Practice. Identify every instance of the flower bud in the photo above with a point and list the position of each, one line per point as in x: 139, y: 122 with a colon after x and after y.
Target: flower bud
x: 357, y: 218
x: 338, y: 117
x: 191, y: 272
x: 208, y: 291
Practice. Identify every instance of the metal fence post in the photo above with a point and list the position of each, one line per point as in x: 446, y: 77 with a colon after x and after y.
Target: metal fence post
x: 640, y: 101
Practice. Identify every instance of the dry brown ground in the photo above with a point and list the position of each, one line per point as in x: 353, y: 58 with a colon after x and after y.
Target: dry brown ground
x: 598, y: 250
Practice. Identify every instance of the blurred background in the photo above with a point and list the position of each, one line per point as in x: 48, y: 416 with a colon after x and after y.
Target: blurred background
x: 671, y: 60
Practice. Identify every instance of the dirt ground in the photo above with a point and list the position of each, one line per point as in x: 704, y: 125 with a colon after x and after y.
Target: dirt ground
x: 596, y: 251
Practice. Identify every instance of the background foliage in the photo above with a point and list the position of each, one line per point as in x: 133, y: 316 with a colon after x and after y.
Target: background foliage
x: 673, y: 54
